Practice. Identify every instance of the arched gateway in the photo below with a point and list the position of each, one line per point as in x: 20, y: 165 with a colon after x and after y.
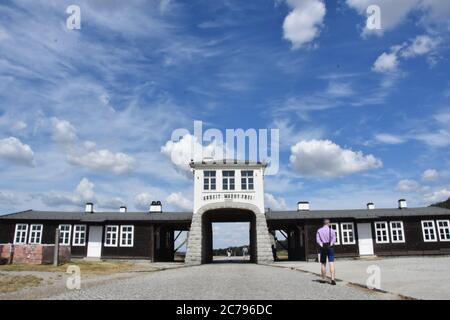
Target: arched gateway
x: 228, y: 191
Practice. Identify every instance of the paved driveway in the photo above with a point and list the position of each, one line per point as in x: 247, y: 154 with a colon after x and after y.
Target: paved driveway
x: 417, y: 277
x: 222, y: 281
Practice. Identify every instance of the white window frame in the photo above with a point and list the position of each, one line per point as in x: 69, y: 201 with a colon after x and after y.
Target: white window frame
x: 446, y: 228
x: 209, y: 180
x: 64, y: 235
x: 114, y: 231
x: 335, y: 227
x: 247, y: 180
x: 129, y: 234
x: 430, y: 228
x: 347, y: 232
x: 400, y: 229
x: 23, y: 233
x: 229, y: 182
x: 33, y: 234
x: 76, y: 241
x: 384, y: 231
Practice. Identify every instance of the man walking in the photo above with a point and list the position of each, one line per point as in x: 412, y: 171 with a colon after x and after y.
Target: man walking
x: 326, y: 238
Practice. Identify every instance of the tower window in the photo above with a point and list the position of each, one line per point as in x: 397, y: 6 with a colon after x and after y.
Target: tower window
x: 228, y: 180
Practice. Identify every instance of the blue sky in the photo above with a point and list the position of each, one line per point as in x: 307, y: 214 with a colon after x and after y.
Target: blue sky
x: 85, y: 114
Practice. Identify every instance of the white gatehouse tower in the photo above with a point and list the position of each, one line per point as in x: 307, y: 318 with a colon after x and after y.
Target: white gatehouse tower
x: 228, y: 191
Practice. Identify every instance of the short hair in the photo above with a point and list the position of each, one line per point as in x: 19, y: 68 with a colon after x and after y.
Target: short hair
x: 325, y: 221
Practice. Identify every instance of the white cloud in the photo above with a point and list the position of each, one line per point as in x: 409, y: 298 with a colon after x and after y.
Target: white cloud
x: 392, y: 12
x: 84, y: 192
x: 164, y: 5
x: 437, y: 10
x: 13, y: 150
x: 407, y: 185
x: 339, y: 89
x: 395, y: 12
x: 440, y: 138
x: 86, y: 154
x: 323, y: 158
x: 177, y: 199
x: 420, y: 46
x: 143, y: 200
x: 386, y: 62
x: 430, y: 175
x: 438, y: 195
x: 187, y: 148
x: 63, y: 131
x: 19, y: 126
x: 389, y: 138
x: 3, y: 34
x: 104, y: 160
x: 303, y: 23
x: 443, y: 117
x: 274, y: 203
x: 113, y: 203
x: 290, y: 135
x: 8, y: 198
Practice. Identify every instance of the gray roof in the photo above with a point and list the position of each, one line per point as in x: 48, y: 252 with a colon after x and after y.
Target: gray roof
x: 356, y: 213
x: 187, y: 216
x: 99, y: 216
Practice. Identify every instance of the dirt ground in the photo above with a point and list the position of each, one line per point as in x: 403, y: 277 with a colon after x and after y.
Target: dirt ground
x: 22, y: 281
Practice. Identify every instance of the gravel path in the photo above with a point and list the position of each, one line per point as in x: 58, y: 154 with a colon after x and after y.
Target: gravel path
x: 222, y: 281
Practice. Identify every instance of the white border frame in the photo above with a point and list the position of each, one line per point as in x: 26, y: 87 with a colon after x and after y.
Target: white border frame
x: 353, y: 231
x: 122, y: 232
x: 386, y: 224
x: 70, y: 234
x: 116, y: 232
x: 26, y: 233
x: 438, y: 229
x: 75, y: 231
x: 434, y: 229
x: 30, y: 232
x: 402, y: 229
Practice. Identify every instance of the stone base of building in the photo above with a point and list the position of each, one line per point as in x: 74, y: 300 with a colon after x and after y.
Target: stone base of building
x: 198, y: 238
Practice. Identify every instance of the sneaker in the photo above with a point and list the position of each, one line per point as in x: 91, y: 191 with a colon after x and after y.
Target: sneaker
x: 333, y: 283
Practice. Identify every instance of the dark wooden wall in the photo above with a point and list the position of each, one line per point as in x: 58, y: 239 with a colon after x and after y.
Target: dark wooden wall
x: 7, y: 229
x: 142, y: 243
x: 154, y: 241
x: 414, y: 244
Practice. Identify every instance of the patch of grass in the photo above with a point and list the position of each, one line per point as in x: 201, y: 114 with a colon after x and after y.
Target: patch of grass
x: 282, y: 254
x: 95, y: 267
x: 9, y: 283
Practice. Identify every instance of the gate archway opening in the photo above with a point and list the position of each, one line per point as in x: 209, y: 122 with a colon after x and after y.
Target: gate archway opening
x: 230, y: 215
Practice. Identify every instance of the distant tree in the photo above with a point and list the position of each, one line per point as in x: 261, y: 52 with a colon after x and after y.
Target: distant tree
x: 443, y: 204
x: 223, y: 251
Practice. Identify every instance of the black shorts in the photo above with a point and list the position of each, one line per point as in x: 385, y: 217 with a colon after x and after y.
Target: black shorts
x: 326, y: 253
